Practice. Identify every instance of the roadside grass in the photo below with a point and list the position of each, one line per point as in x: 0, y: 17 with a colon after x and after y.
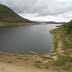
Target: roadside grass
x: 58, y: 63
x: 46, y: 66
x: 38, y: 65
x: 68, y: 52
x: 37, y: 61
x: 67, y: 46
x: 70, y: 37
x: 64, y: 60
x: 10, y: 62
x: 42, y: 65
x: 55, y: 45
x: 44, y: 57
x: 67, y: 67
x: 66, y: 43
x: 19, y: 57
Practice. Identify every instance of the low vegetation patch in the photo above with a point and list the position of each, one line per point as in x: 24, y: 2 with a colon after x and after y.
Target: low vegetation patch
x: 64, y: 59
x: 37, y: 65
x: 9, y: 62
x: 37, y: 61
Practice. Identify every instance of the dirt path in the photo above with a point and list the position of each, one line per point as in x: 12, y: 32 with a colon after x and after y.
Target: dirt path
x: 59, y: 49
x: 6, y: 67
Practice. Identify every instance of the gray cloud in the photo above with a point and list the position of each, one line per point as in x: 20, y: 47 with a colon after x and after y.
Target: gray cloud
x: 20, y: 6
x: 49, y: 7
x: 41, y: 7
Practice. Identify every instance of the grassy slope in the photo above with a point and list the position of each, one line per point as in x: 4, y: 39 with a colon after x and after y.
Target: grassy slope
x: 7, y: 15
x: 64, y: 54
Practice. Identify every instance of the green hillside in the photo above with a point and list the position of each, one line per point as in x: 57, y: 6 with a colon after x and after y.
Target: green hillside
x: 68, y: 27
x: 8, y: 15
x: 62, y: 47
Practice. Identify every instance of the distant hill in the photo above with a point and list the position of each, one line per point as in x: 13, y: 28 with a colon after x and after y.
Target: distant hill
x: 8, y: 15
x: 51, y: 22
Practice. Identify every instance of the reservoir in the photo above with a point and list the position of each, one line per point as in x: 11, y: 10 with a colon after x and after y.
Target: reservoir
x: 23, y: 39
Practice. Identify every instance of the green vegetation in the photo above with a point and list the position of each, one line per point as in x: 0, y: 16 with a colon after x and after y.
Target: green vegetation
x: 55, y: 45
x: 62, y: 48
x: 58, y: 63
x: 9, y: 62
x: 43, y: 57
x: 9, y: 16
x: 37, y: 66
x: 68, y: 26
x: 62, y: 60
x: 46, y: 67
x: 56, y: 39
x: 37, y: 61
x: 67, y: 67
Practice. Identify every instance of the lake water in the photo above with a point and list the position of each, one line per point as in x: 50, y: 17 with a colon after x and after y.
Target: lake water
x: 23, y: 39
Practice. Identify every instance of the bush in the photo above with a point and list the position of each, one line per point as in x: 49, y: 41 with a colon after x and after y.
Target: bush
x: 59, y: 62
x: 67, y: 67
x: 62, y: 60
x: 65, y: 58
x: 38, y: 66
x: 37, y: 61
x: 9, y: 62
x: 68, y: 26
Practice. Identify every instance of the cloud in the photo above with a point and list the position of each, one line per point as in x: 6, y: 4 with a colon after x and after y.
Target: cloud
x: 65, y: 0
x: 20, y: 6
x: 39, y: 8
x: 42, y: 7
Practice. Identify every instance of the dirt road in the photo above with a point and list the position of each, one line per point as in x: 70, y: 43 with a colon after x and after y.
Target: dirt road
x: 6, y: 67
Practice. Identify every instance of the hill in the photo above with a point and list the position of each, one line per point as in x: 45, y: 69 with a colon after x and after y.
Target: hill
x: 8, y: 15
x: 68, y: 27
x: 50, y: 22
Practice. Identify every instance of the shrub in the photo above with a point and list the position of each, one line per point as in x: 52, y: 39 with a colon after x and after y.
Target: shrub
x: 9, y: 62
x: 37, y: 61
x: 38, y: 66
x: 67, y: 67
x: 59, y: 62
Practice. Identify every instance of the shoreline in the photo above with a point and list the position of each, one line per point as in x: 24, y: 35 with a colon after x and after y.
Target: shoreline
x: 26, y: 54
x: 16, y: 24
x: 47, y: 62
x: 31, y: 54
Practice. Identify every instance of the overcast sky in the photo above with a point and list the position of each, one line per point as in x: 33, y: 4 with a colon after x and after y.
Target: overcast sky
x: 42, y: 10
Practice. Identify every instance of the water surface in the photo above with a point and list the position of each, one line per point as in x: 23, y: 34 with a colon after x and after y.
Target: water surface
x: 23, y: 39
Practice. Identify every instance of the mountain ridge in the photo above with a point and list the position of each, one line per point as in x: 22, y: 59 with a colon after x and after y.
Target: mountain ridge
x: 8, y: 15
